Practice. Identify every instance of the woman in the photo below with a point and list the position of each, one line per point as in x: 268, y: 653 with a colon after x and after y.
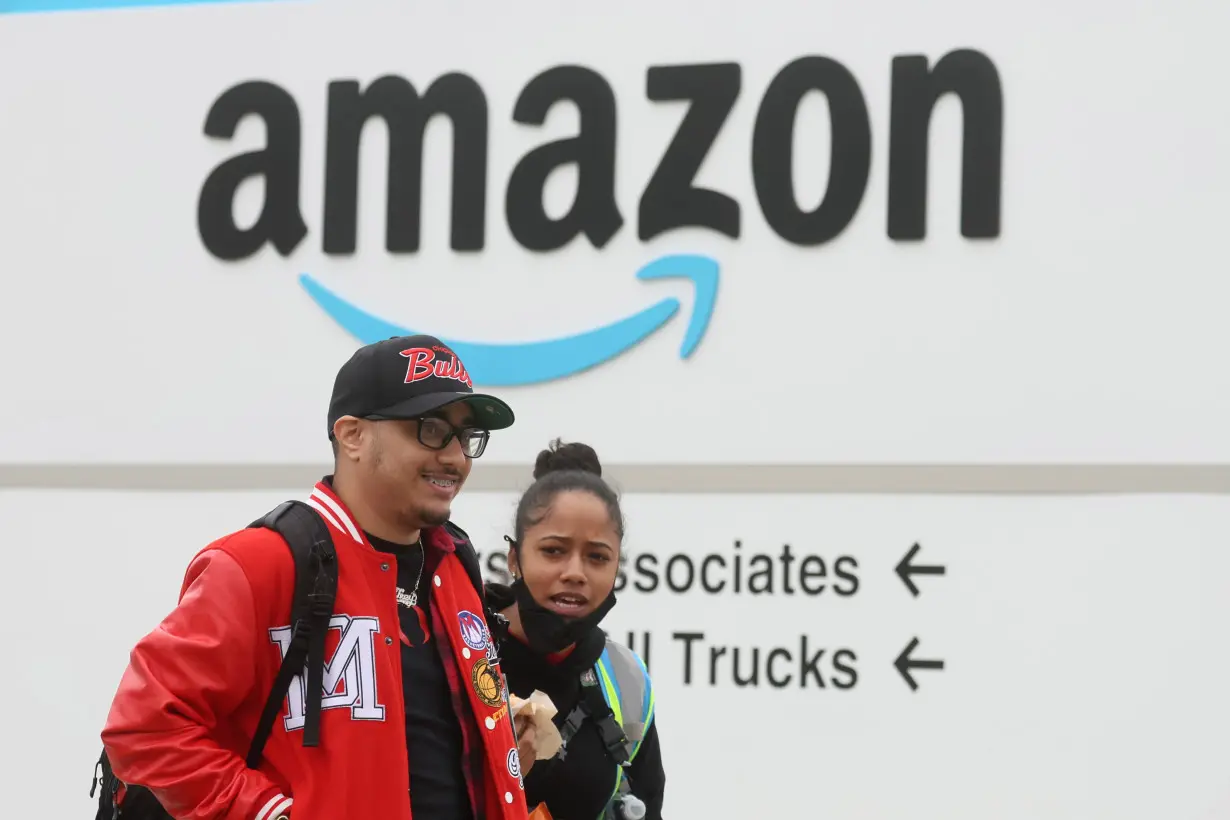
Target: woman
x: 564, y: 557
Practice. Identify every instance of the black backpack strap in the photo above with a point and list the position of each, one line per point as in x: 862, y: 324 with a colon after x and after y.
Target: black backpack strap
x: 311, y: 544
x: 467, y: 554
x: 593, y: 706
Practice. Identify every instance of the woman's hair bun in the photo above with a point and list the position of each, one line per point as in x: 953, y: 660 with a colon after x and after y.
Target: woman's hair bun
x: 572, y: 456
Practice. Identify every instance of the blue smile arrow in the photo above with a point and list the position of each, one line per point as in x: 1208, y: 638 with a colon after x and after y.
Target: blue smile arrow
x: 36, y: 6
x: 503, y: 365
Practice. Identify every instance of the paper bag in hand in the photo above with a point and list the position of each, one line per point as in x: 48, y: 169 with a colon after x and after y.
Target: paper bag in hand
x: 537, y: 711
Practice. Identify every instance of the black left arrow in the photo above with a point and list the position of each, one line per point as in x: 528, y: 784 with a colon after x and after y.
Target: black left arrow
x: 905, y: 664
x: 905, y: 570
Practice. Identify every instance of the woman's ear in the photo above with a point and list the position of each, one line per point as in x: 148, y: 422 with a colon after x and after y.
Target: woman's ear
x: 514, y: 568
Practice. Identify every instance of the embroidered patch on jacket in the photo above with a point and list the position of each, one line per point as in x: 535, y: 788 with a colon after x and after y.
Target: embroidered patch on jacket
x: 473, y: 630
x: 486, y: 683
x: 514, y: 765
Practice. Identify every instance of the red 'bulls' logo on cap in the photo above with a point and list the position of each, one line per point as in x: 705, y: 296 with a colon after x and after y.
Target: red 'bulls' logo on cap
x: 440, y: 362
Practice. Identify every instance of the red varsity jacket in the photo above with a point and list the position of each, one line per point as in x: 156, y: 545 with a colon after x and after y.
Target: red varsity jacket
x: 191, y: 697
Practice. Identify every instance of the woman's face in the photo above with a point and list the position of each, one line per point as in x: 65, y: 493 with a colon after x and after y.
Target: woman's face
x: 570, y: 558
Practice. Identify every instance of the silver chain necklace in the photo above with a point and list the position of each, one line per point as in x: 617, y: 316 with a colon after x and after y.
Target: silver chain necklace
x: 409, y: 601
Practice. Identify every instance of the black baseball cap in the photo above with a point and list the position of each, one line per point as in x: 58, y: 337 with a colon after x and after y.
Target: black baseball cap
x: 406, y: 377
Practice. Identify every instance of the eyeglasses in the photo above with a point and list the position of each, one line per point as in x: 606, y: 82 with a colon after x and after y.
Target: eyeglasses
x: 436, y: 433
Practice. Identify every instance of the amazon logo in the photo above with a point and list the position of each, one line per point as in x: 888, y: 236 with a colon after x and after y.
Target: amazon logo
x: 670, y: 199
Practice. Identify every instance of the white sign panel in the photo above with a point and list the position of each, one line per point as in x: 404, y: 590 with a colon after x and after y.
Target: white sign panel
x: 1032, y: 658
x: 928, y: 233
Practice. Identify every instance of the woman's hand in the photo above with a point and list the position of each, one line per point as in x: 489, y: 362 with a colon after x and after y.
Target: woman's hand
x: 526, y: 735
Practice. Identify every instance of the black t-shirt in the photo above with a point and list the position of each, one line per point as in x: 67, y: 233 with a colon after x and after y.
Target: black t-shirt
x: 433, y: 733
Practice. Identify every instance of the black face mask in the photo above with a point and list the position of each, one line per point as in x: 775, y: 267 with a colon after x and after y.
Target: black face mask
x: 547, y: 631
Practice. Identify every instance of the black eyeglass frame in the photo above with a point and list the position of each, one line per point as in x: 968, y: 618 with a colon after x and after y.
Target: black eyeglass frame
x: 466, y: 434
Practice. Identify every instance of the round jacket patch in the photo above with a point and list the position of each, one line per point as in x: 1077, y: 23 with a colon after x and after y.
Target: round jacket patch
x: 514, y: 764
x: 473, y: 630
x: 486, y: 684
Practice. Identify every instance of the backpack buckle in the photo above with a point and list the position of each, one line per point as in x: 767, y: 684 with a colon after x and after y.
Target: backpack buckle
x: 613, y: 738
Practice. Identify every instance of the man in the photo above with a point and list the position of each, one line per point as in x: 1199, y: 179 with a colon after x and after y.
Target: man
x: 410, y: 702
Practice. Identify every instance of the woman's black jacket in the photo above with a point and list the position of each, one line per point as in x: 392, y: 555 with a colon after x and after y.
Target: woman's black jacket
x: 579, y: 786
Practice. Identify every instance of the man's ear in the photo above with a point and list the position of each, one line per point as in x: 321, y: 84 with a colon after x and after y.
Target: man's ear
x: 348, y: 433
